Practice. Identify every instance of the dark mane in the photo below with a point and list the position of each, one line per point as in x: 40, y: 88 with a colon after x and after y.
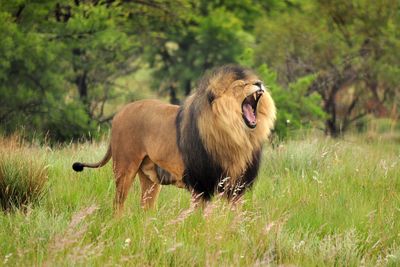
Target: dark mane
x: 238, y: 72
x: 202, y: 173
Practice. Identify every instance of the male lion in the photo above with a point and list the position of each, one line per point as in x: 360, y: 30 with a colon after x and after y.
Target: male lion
x: 212, y: 143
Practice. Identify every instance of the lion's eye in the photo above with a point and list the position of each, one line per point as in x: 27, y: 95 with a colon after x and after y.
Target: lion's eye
x: 239, y: 84
x: 258, y: 84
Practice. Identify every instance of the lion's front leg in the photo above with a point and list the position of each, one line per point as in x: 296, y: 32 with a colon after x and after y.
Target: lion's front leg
x: 198, y: 201
x: 150, y: 191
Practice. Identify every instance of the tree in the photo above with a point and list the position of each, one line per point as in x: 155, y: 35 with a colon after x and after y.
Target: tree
x: 104, y: 41
x: 343, y: 43
x: 211, y: 35
x: 31, y: 79
x: 296, y: 108
x: 220, y: 32
x: 60, y: 60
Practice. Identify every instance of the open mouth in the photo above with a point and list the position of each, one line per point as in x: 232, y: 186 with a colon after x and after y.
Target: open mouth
x: 249, y: 108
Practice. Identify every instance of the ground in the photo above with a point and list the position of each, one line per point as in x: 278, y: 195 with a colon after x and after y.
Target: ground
x: 317, y: 202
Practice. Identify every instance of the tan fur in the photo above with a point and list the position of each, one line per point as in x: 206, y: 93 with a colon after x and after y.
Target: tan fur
x: 222, y: 128
x: 144, y: 135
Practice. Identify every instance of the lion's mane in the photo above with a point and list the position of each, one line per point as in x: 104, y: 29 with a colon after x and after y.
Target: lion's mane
x: 215, y: 145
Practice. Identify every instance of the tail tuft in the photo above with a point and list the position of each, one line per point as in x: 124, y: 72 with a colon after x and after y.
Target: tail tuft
x: 77, y: 166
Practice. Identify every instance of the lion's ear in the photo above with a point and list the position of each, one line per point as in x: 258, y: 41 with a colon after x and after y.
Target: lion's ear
x: 217, y: 86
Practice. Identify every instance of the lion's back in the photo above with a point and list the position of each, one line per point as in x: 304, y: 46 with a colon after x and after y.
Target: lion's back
x: 144, y: 112
x: 147, y: 123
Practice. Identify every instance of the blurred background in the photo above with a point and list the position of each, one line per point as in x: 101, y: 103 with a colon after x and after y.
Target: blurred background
x: 66, y: 67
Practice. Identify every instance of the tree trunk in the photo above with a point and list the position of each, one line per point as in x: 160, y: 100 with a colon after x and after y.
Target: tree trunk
x: 188, y: 87
x: 81, y: 83
x: 331, y: 127
x: 331, y: 124
x: 172, y: 95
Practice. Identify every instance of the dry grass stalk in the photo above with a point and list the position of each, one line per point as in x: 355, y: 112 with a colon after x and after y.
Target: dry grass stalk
x: 23, y: 174
x: 73, y: 234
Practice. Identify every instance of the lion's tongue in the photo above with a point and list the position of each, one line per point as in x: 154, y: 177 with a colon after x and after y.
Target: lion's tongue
x: 249, y: 113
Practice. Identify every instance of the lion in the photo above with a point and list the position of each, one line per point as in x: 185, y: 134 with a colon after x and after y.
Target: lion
x: 211, y: 144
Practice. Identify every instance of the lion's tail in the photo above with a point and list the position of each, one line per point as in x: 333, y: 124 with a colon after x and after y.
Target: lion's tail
x: 78, y: 166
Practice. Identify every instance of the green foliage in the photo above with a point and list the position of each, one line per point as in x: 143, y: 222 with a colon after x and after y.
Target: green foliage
x: 76, y: 62
x: 96, y: 48
x: 349, y: 46
x: 218, y: 38
x: 69, y: 122
x: 213, y: 34
x: 33, y: 84
x: 295, y: 108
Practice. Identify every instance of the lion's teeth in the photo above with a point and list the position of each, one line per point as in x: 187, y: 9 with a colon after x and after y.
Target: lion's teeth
x: 255, y: 96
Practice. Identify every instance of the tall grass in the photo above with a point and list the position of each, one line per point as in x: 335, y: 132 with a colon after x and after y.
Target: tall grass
x: 23, y: 174
x: 317, y: 202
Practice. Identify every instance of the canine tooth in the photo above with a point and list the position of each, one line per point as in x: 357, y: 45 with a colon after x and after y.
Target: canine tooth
x: 255, y: 96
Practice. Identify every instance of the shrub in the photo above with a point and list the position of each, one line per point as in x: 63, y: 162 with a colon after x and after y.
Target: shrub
x: 23, y: 175
x: 296, y: 108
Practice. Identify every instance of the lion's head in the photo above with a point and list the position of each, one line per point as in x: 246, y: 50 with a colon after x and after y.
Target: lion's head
x: 235, y: 114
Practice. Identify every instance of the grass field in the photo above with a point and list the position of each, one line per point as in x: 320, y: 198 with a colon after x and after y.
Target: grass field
x: 317, y: 202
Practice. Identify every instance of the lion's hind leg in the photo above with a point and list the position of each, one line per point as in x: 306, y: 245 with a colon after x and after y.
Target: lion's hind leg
x: 124, y: 179
x: 149, y: 184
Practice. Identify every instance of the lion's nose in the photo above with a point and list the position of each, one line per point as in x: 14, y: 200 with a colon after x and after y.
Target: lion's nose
x: 259, y: 85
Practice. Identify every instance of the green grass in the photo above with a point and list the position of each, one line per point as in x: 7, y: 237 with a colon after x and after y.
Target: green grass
x: 23, y: 175
x: 317, y: 202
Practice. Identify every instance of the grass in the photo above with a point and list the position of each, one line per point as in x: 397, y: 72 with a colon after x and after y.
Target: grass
x: 23, y: 175
x: 317, y: 202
